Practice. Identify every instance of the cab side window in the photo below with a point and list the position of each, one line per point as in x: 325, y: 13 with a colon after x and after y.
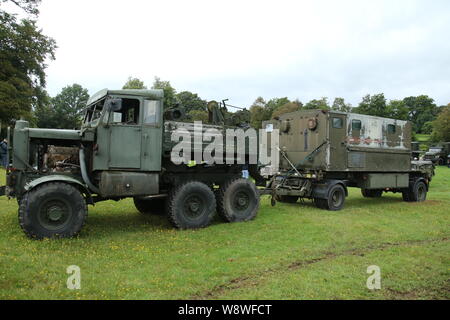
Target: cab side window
x: 151, y: 112
x: 337, y: 123
x: 129, y: 114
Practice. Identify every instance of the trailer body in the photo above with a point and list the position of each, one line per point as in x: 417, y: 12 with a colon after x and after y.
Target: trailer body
x: 324, y: 151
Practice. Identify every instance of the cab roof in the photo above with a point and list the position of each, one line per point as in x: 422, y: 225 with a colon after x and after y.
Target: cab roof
x: 155, y: 94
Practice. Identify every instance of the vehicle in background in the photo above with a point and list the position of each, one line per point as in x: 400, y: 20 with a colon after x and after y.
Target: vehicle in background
x: 438, y: 154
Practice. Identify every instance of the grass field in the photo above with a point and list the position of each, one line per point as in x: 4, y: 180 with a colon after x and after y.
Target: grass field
x: 291, y: 251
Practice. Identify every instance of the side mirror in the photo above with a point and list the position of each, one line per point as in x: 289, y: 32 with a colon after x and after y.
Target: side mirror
x: 114, y: 105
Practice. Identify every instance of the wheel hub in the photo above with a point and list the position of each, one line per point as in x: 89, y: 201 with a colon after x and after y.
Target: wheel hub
x: 54, y: 213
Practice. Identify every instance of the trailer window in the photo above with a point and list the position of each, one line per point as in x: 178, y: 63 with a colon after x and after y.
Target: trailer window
x: 337, y: 123
x: 356, y: 124
x: 391, y: 128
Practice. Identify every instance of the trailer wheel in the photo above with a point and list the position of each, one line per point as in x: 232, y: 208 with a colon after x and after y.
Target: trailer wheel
x: 52, y: 210
x: 418, y: 193
x: 238, y: 201
x: 371, y: 193
x: 150, y: 206
x: 336, y: 198
x: 287, y: 199
x: 191, y: 205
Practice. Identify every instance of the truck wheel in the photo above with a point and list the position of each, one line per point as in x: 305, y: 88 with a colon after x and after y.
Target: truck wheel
x: 191, y: 205
x: 336, y: 198
x: 52, y: 210
x: 371, y: 193
x: 441, y: 162
x: 418, y: 192
x: 287, y: 199
x: 150, y: 206
x: 320, y: 203
x: 238, y: 201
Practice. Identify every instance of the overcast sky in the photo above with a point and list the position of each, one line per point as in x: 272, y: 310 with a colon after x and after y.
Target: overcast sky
x: 244, y: 49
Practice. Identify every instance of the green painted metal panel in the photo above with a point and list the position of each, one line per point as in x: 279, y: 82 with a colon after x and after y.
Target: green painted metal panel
x: 125, y: 146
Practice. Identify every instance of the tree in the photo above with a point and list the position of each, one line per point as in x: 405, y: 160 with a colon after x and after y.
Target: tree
x: 29, y: 6
x: 191, y: 101
x: 65, y: 111
x: 340, y: 105
x: 23, y: 55
x: 198, y: 115
x: 397, y: 109
x: 134, y: 83
x: 272, y: 105
x: 257, y: 113
x: 285, y: 108
x: 421, y: 109
x: 318, y: 104
x: 170, y: 98
x: 441, y: 126
x: 373, y: 105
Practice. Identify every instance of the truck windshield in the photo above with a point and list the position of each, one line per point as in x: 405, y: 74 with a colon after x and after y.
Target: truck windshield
x: 94, y: 112
x: 435, y: 149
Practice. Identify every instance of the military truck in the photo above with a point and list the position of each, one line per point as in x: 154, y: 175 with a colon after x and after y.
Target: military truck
x: 325, y: 152
x: 438, y: 154
x: 122, y: 150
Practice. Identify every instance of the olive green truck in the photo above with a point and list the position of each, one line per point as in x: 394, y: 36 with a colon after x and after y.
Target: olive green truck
x: 124, y: 150
x: 325, y: 152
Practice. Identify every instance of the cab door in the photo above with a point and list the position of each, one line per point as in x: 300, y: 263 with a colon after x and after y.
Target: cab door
x: 151, y: 135
x: 338, y: 145
x: 125, y: 136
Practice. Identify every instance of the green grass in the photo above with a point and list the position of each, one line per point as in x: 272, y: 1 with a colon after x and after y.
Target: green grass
x: 291, y: 251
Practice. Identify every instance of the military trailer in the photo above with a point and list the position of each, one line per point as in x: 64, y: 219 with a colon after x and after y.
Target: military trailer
x: 438, y: 154
x: 122, y: 150
x: 322, y: 153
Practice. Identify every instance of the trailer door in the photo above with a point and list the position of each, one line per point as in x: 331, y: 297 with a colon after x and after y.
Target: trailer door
x: 338, y: 146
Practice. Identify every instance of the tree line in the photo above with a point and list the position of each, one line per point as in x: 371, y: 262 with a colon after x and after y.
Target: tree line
x: 25, y: 51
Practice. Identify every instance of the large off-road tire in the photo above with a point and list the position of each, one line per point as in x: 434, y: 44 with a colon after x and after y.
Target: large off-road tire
x: 371, y: 193
x: 320, y: 203
x: 191, y: 205
x: 441, y: 162
x: 150, y: 206
x: 335, y: 200
x: 238, y: 200
x: 52, y: 210
x: 416, y: 193
x: 287, y: 199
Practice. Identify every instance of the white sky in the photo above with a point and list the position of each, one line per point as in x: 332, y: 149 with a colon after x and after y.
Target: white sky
x: 244, y: 49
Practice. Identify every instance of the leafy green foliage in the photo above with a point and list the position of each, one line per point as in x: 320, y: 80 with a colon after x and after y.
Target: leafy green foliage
x: 198, y: 115
x: 318, y: 104
x: 64, y: 111
x: 421, y: 109
x: 170, y: 98
x: 441, y: 126
x: 29, y: 6
x: 340, y: 105
x: 191, y: 101
x: 373, y: 105
x: 285, y: 108
x: 24, y: 51
x: 134, y: 83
